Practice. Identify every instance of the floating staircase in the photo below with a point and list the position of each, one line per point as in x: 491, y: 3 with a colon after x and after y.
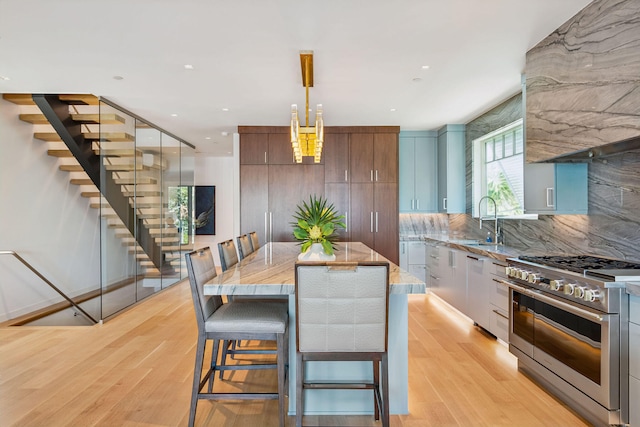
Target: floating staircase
x: 94, y: 140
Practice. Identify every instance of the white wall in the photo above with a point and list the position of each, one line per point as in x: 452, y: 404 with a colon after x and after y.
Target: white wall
x: 44, y: 219
x: 221, y: 172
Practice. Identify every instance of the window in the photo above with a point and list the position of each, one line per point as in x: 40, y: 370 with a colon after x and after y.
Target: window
x: 498, y: 162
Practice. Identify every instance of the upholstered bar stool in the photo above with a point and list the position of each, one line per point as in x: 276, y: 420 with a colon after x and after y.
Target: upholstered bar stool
x: 254, y: 240
x: 228, y: 254
x: 245, y: 247
x: 232, y: 321
x: 342, y: 315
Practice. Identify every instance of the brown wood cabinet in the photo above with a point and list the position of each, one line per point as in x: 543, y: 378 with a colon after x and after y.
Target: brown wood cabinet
x: 358, y: 174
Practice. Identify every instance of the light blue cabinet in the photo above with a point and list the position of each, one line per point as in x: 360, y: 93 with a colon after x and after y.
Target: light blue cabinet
x: 451, y: 169
x: 556, y: 188
x: 418, y: 172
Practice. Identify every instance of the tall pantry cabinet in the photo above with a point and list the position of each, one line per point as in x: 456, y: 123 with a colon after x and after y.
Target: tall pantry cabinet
x: 358, y: 174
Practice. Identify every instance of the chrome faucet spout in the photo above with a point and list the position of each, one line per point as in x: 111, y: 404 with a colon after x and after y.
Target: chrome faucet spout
x: 495, y: 215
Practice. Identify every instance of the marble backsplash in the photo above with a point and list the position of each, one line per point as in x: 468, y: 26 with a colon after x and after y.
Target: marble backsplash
x: 611, y: 229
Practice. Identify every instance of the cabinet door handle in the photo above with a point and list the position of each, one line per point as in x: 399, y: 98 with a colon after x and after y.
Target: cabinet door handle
x: 417, y: 204
x: 403, y: 248
x: 444, y: 203
x: 265, y: 157
x: 371, y: 221
x: 500, y: 314
x: 271, y: 226
x: 474, y: 258
x: 550, y: 203
x: 376, y: 175
x: 376, y: 222
x: 371, y: 175
x: 411, y: 204
x: 345, y: 175
x: 346, y: 222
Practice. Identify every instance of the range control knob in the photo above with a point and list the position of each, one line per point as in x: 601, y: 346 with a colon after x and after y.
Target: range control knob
x: 592, y: 295
x: 579, y: 291
x: 533, y: 278
x: 569, y: 288
x: 524, y: 274
x: 557, y: 285
x: 507, y: 270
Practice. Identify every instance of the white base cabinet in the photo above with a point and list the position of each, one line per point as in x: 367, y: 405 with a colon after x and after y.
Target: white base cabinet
x: 471, y: 284
x: 413, y: 258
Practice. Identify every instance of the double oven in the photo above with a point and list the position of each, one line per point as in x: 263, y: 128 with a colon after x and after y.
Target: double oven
x: 568, y: 328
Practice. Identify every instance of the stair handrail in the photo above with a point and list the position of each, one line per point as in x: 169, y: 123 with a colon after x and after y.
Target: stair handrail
x: 48, y: 282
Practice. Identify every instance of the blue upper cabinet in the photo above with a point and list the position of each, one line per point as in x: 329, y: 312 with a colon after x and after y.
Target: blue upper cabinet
x: 556, y: 188
x: 451, y: 169
x: 418, y: 172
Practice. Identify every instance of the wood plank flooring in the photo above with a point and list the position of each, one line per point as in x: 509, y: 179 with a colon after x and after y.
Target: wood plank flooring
x: 136, y: 370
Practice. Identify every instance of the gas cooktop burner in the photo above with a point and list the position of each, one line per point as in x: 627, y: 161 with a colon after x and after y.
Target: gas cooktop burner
x: 581, y: 263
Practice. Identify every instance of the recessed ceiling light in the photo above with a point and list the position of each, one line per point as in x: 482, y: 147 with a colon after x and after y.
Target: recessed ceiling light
x: 225, y: 109
x: 4, y: 78
x: 207, y: 137
x: 188, y: 67
x: 425, y: 67
x: 225, y: 133
x: 118, y: 78
x: 393, y: 109
x: 174, y: 115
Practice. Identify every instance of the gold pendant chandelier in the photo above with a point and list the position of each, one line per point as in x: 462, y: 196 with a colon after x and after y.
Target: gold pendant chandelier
x: 307, y: 140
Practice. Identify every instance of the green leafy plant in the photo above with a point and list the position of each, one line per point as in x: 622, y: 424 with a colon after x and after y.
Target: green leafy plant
x: 316, y: 222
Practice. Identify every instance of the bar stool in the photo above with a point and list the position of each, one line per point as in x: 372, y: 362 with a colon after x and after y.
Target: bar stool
x: 245, y: 247
x: 342, y: 315
x: 228, y: 254
x: 254, y: 240
x: 232, y: 321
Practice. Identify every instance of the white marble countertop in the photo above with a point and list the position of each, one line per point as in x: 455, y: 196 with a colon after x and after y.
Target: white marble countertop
x: 269, y: 271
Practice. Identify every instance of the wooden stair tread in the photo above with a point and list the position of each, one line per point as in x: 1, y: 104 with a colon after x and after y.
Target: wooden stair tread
x: 60, y: 153
x: 19, y: 98
x: 105, y: 119
x: 71, y: 168
x: 89, y: 194
x: 81, y: 181
x: 79, y: 99
x: 92, y: 136
x: 36, y: 119
x: 108, y: 119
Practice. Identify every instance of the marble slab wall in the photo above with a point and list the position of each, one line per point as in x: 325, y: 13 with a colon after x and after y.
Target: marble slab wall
x: 583, y: 82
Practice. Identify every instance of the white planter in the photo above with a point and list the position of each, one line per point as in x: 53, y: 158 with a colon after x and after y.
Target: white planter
x: 315, y: 253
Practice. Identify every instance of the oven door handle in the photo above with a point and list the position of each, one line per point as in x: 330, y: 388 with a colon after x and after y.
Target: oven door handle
x: 580, y: 312
x: 518, y: 288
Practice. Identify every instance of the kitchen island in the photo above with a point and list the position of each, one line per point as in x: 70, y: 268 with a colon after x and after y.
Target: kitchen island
x: 270, y: 271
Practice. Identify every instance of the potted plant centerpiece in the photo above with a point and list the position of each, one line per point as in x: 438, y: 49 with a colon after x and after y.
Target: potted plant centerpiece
x: 315, y: 226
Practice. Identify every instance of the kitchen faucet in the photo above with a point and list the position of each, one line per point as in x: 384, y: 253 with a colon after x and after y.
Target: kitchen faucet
x: 496, y: 231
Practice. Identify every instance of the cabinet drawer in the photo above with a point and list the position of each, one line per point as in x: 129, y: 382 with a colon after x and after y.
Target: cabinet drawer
x: 634, y: 350
x: 499, y: 323
x: 634, y: 397
x: 634, y: 309
x: 500, y: 295
x: 497, y: 269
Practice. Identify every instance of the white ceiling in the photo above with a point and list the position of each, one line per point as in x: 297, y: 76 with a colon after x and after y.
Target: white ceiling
x: 368, y: 56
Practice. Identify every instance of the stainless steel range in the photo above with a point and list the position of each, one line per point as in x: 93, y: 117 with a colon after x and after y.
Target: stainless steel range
x: 568, y: 329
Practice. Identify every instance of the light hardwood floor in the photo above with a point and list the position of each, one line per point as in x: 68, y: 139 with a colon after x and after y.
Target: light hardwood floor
x: 137, y: 370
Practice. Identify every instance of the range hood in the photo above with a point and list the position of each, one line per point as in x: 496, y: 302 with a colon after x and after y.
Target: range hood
x: 600, y: 151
